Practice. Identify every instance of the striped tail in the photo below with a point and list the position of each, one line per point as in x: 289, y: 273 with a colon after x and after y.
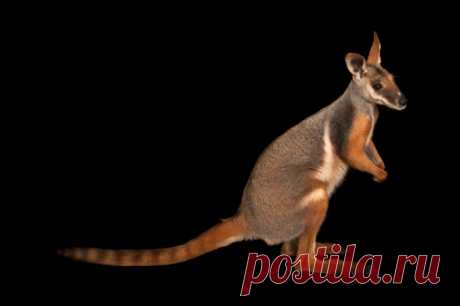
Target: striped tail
x: 223, y: 234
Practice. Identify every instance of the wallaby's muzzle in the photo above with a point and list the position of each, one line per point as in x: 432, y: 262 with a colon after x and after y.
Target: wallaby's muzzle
x: 402, y: 101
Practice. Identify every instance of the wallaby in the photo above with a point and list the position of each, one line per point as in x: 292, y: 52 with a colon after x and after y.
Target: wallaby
x: 286, y: 197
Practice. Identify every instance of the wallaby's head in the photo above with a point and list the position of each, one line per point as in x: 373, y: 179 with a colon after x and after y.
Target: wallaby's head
x: 375, y: 83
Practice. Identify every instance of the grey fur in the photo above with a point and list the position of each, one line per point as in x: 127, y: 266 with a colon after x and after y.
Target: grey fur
x: 278, y: 182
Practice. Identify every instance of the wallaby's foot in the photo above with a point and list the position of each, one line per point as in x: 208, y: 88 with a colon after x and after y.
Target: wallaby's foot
x: 328, y: 246
x: 290, y: 247
x: 323, y: 269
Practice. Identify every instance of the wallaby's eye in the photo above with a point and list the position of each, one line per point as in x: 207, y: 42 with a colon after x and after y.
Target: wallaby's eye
x: 377, y: 86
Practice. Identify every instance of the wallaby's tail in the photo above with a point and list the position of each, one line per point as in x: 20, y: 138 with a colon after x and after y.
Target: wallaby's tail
x: 220, y: 235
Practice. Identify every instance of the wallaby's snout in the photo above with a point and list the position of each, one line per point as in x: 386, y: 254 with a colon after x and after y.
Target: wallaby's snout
x: 392, y: 98
x: 402, y: 101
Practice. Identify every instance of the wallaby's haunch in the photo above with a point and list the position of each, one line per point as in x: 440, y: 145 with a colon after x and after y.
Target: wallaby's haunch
x: 286, y: 197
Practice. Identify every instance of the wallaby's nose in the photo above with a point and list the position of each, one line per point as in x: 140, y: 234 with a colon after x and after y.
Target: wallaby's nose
x: 402, y: 100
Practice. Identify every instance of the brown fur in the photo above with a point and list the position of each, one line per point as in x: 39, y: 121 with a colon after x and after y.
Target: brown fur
x: 379, y: 161
x: 355, y: 151
x: 374, y: 53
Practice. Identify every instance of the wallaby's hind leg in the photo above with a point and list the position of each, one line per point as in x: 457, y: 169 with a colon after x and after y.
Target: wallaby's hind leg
x: 307, y: 241
x: 316, y: 213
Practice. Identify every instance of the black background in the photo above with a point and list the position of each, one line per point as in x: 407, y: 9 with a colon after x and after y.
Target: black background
x: 148, y: 128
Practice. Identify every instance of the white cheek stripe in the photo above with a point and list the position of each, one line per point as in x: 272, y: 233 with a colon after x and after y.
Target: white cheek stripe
x: 379, y: 98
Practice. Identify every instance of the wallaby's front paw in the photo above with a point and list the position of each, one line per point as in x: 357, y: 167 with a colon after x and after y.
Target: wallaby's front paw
x: 380, y: 176
x: 381, y: 164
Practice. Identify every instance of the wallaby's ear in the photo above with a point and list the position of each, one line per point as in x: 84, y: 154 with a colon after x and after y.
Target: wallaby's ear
x: 356, y: 64
x: 374, y: 53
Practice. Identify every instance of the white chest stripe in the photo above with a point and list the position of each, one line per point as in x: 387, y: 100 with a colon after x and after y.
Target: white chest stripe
x: 333, y: 170
x: 328, y: 162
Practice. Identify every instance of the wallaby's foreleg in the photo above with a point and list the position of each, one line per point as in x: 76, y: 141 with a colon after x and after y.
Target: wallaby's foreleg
x: 355, y: 153
x: 374, y: 155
